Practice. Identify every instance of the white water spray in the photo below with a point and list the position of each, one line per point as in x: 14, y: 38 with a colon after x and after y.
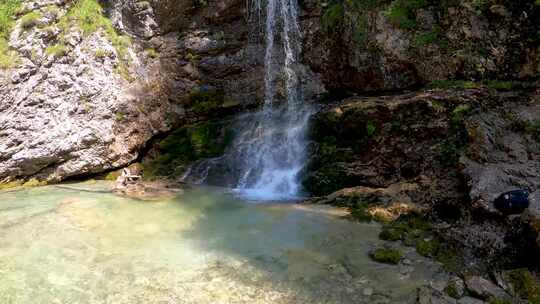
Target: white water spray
x: 270, y: 149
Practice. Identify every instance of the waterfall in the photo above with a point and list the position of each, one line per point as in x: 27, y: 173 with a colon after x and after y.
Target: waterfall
x: 269, y: 150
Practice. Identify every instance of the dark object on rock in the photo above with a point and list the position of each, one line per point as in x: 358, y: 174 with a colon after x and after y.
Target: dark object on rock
x: 512, y: 202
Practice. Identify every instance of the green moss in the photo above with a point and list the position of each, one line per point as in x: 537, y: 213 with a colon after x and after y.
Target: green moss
x: 392, y: 234
x: 206, y: 101
x: 414, y: 230
x: 370, y: 128
x: 152, y: 53
x: 34, y: 183
x: 459, y: 113
x: 499, y: 301
x: 517, y: 124
x: 525, y: 285
x: 122, y: 70
x: 387, y: 255
x: 408, y: 228
x: 501, y: 85
x: 360, y: 29
x: 333, y: 16
x: 359, y: 211
x: 188, y: 144
x: 491, y: 84
x: 57, y: 50
x: 451, y: 290
x: 10, y: 185
x: 401, y: 13
x: 428, y: 248
x: 113, y: 175
x: 8, y: 10
x: 30, y: 20
x: 454, y: 84
x: 432, y: 37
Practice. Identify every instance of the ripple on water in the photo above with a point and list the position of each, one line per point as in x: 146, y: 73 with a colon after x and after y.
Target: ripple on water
x: 60, y: 245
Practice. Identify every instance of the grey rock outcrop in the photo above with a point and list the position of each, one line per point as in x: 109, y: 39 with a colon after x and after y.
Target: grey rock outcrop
x: 89, y: 105
x: 502, y: 154
x: 484, y: 289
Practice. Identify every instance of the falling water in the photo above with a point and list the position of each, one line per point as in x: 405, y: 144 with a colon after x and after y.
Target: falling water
x: 269, y: 151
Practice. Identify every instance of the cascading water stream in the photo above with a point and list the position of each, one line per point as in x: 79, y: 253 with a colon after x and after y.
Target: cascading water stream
x: 270, y: 149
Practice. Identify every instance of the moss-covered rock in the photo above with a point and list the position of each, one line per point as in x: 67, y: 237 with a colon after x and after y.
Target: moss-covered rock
x: 428, y: 248
x: 34, y: 182
x: 10, y: 185
x: 185, y: 145
x: 387, y: 255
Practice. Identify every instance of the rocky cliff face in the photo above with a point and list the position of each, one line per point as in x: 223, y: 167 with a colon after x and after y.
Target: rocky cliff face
x: 391, y: 45
x: 101, y: 83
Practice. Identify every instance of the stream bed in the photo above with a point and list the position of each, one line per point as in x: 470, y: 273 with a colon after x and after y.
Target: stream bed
x: 81, y: 244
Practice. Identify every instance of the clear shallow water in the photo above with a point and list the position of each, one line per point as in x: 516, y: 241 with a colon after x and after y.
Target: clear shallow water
x: 60, y: 245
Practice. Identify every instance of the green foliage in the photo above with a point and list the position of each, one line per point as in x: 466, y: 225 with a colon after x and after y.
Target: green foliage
x: 432, y: 37
x: 30, y: 20
x: 370, y: 128
x: 453, y: 84
x: 537, y: 2
x: 492, y: 84
x: 101, y: 53
x: 152, y: 53
x: 57, y: 50
x: 362, y: 4
x: 504, y: 85
x: 426, y: 38
x: 387, y: 255
x: 360, y: 29
x: 451, y: 152
x: 200, y: 3
x: 454, y: 146
x: 479, y: 6
x: 525, y: 285
x: 88, y: 15
x: 8, y: 10
x: 401, y: 13
x: 333, y: 16
x: 459, y: 113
